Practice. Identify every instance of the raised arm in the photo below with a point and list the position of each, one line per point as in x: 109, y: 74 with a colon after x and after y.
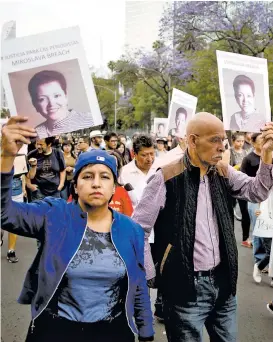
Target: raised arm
x: 19, y: 218
x: 256, y: 189
x: 146, y: 212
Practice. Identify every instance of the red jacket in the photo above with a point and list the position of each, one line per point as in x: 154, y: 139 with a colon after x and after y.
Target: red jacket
x: 121, y: 202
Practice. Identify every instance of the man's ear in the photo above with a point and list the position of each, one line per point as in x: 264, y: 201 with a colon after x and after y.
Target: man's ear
x: 191, y: 140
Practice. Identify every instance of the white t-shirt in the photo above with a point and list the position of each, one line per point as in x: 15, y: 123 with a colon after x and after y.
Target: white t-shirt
x: 131, y: 174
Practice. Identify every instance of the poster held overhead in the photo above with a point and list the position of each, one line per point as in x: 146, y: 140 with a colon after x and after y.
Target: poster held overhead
x: 244, y: 91
x: 182, y: 109
x: 46, y: 77
x: 160, y: 127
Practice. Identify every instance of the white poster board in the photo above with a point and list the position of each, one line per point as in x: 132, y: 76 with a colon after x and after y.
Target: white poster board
x: 264, y: 222
x: 161, y: 127
x: 20, y: 161
x: 46, y: 77
x: 244, y: 90
x: 182, y: 109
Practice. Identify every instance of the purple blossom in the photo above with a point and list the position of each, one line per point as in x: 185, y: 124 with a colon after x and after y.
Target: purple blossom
x: 240, y: 21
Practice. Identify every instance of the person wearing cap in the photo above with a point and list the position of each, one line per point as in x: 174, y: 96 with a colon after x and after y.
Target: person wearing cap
x: 160, y: 147
x: 96, y: 140
x: 87, y: 282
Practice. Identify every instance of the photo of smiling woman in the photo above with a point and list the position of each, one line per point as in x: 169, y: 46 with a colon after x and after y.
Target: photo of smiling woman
x: 247, y: 118
x: 49, y: 96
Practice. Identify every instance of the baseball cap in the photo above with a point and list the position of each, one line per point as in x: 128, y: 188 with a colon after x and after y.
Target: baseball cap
x: 95, y: 157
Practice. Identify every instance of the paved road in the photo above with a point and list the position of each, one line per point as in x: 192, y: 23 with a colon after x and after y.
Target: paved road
x: 255, y: 322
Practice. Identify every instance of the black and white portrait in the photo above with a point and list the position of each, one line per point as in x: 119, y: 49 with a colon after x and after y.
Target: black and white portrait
x: 178, y: 120
x: 160, y: 127
x: 47, y: 78
x: 244, y: 89
x: 245, y: 104
x: 53, y: 97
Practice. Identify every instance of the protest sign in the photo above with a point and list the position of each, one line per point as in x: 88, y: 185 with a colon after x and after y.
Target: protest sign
x: 46, y: 77
x: 264, y: 222
x: 160, y: 127
x: 244, y: 90
x: 182, y: 109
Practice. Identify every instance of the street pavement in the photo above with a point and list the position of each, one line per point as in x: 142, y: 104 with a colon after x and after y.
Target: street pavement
x: 254, y: 321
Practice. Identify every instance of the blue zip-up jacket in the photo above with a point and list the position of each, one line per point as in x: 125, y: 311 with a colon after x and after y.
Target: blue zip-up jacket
x: 60, y: 226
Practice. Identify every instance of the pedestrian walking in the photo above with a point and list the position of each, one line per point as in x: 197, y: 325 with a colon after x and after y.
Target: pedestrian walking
x: 189, y: 204
x: 87, y: 282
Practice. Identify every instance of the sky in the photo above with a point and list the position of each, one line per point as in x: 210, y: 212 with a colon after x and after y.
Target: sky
x: 99, y: 21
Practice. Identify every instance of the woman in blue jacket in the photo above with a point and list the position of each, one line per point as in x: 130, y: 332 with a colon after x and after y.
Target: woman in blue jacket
x: 87, y: 281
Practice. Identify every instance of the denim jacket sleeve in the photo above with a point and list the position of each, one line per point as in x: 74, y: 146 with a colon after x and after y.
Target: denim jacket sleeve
x: 21, y: 218
x: 143, y: 312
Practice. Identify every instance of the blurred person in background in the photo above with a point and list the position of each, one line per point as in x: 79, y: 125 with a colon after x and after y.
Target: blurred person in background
x: 83, y: 144
x: 120, y: 201
x: 70, y: 160
x: 96, y: 138
x: 161, y: 147
x: 111, y: 141
x: 250, y: 166
x: 169, y: 142
x: 248, y: 144
x: 125, y: 156
x: 237, y: 154
x: 47, y: 170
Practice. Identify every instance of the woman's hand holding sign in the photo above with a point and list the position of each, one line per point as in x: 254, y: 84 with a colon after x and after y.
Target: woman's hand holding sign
x: 14, y: 135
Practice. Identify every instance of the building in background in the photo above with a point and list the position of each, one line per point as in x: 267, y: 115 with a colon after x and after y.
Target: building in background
x: 142, y: 23
x: 8, y: 32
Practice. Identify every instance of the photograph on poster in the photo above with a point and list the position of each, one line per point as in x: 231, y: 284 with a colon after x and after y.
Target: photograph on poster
x: 246, y: 105
x: 179, y: 120
x: 160, y: 127
x: 53, y: 96
x: 244, y: 92
x: 182, y: 109
x: 47, y: 78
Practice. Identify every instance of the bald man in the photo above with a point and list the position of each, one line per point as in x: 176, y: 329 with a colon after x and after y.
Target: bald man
x: 189, y: 204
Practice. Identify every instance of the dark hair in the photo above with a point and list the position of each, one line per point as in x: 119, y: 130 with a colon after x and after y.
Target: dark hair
x: 160, y: 124
x: 43, y: 77
x: 119, y: 144
x: 68, y: 142
x: 255, y: 136
x: 142, y: 141
x: 85, y: 138
x: 110, y: 135
x: 242, y: 79
x: 236, y: 135
x: 50, y: 140
x: 180, y: 111
x: 120, y: 161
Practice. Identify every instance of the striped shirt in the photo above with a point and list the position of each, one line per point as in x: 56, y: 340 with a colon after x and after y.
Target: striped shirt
x: 72, y: 122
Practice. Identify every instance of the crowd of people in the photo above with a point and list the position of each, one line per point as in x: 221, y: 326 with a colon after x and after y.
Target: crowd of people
x: 90, y: 200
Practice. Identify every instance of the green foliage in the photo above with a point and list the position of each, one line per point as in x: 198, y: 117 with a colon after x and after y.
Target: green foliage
x: 5, y: 113
x: 147, y: 105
